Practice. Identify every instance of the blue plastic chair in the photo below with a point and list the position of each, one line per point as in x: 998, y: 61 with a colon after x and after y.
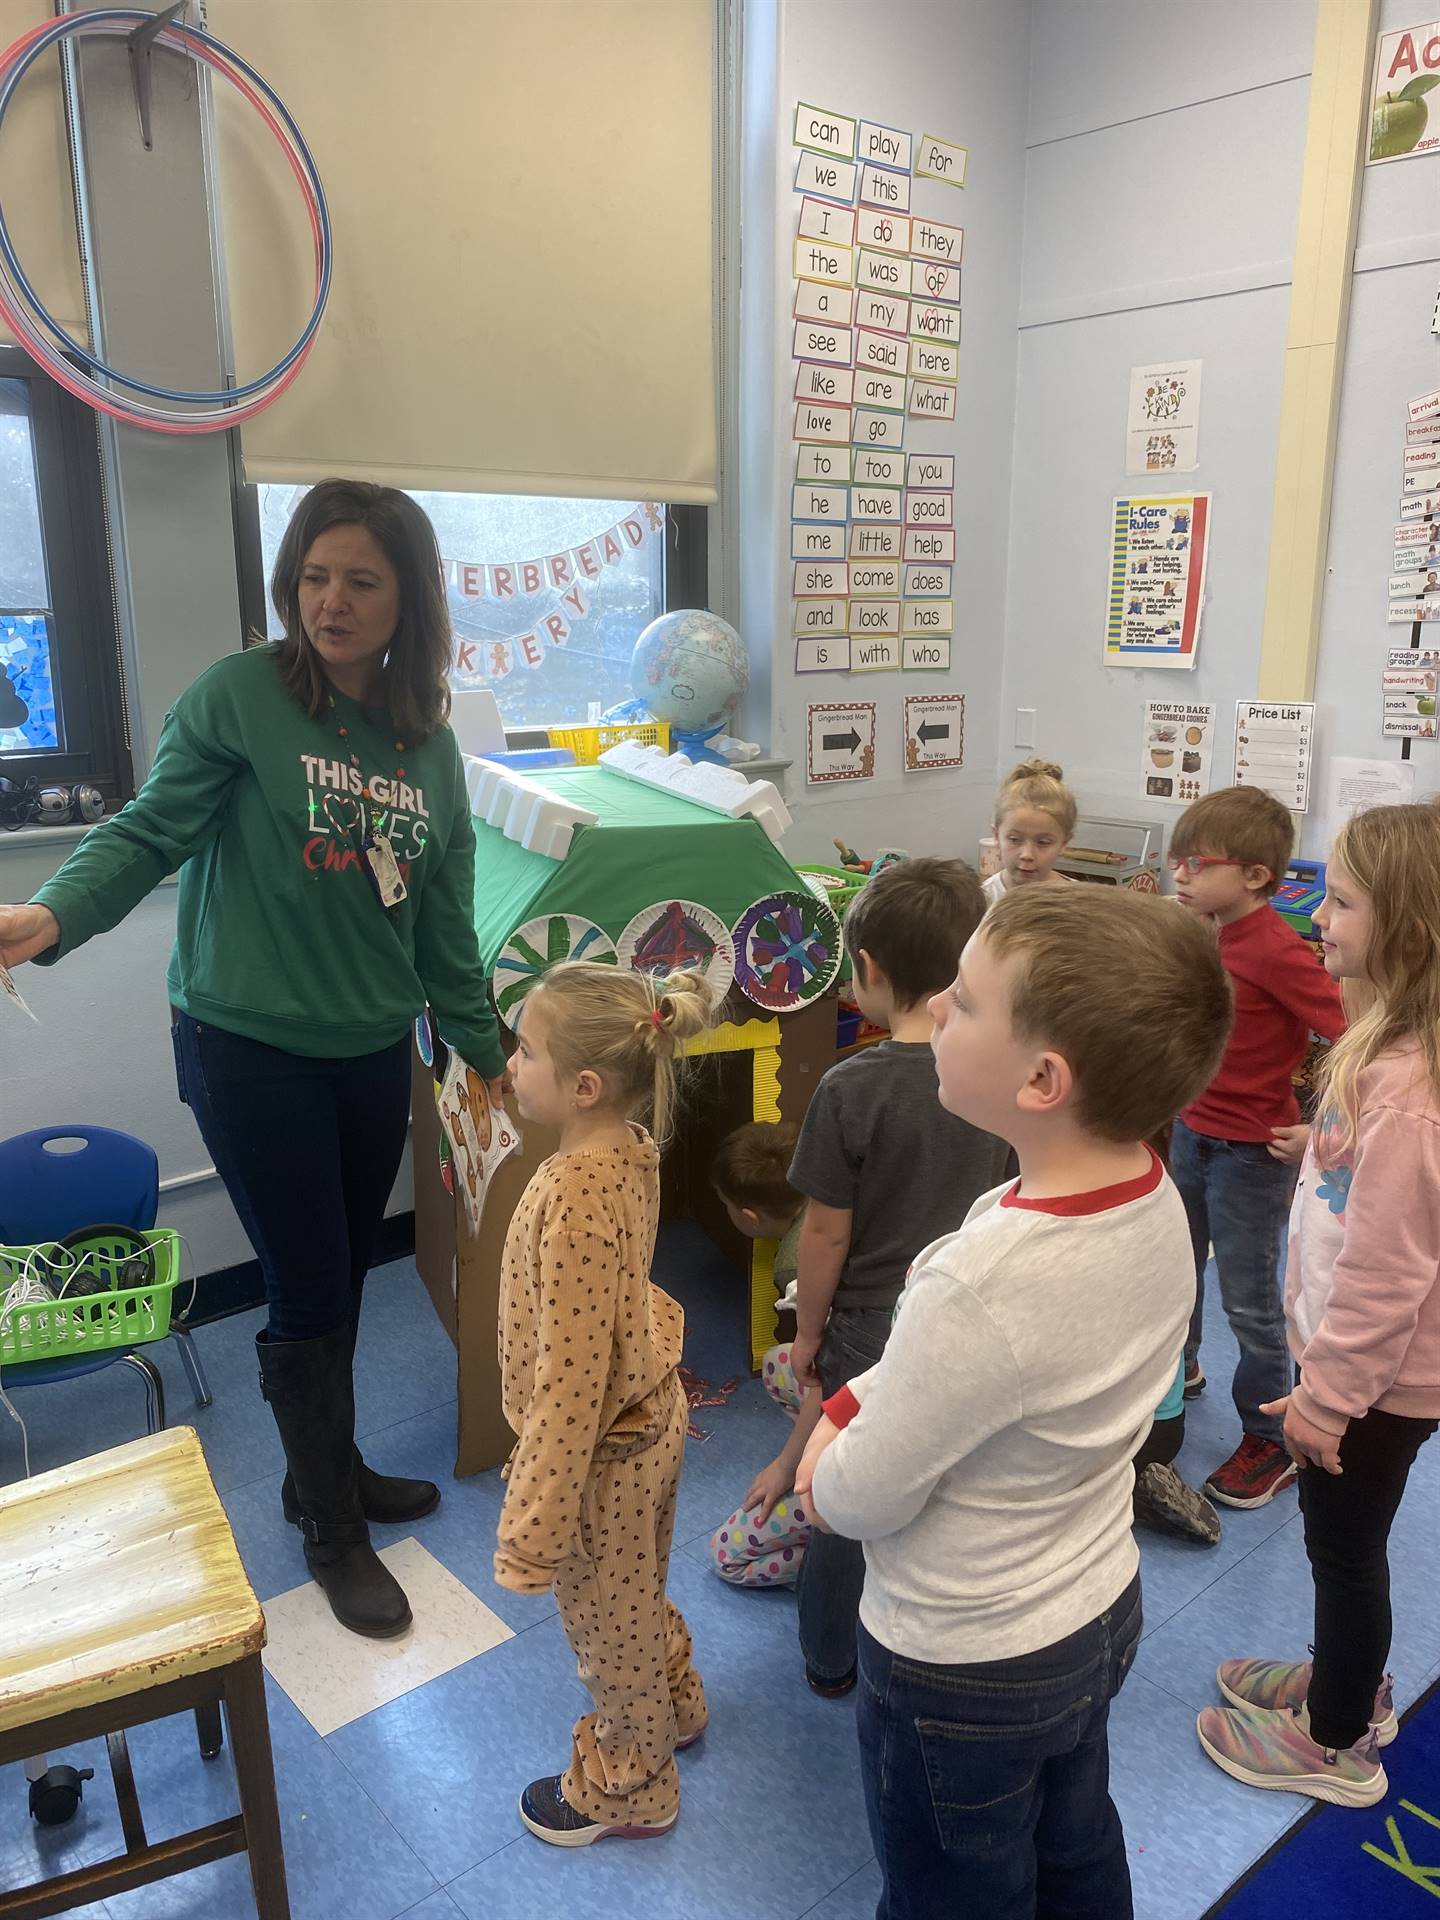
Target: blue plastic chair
x: 53, y: 1182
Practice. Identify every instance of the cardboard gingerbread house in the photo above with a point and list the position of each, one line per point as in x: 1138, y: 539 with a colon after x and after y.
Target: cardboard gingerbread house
x: 646, y: 877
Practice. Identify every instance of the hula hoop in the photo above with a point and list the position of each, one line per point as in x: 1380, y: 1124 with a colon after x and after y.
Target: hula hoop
x: 21, y: 306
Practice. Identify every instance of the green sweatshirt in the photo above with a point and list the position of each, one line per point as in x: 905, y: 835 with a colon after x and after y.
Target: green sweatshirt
x: 279, y: 934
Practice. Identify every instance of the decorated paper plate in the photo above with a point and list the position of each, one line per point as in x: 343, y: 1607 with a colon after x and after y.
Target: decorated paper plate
x: 530, y: 952
x: 676, y: 934
x: 788, y: 950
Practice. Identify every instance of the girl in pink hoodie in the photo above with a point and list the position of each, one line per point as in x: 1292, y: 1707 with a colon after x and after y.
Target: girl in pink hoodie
x: 1363, y: 1314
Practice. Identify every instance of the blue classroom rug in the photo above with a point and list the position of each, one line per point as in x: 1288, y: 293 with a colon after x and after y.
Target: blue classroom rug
x: 1381, y: 1862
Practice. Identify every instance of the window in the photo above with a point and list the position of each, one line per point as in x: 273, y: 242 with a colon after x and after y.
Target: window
x: 61, y: 716
x: 547, y: 596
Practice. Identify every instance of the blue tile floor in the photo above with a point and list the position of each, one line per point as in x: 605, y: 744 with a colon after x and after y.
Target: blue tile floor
x: 410, y: 1810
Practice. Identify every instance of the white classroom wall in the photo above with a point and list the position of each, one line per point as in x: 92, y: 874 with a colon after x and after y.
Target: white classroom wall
x: 1390, y: 357
x: 957, y: 69
x: 1164, y: 154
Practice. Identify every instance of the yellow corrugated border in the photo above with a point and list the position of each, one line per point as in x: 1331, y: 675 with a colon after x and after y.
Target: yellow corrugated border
x: 762, y: 1298
x: 731, y: 1037
x: 767, y: 1083
x: 765, y: 1105
x: 762, y: 1039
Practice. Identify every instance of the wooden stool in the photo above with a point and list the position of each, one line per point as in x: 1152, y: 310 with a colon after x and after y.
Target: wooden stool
x: 122, y: 1600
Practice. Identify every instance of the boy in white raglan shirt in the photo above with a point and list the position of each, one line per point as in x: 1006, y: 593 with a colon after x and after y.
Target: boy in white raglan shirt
x: 985, y: 1462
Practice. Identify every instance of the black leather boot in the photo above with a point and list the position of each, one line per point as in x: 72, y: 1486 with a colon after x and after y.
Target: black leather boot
x: 309, y: 1388
x: 389, y: 1499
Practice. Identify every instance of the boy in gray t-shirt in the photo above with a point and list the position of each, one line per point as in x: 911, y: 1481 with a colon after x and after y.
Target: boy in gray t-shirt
x: 885, y: 1170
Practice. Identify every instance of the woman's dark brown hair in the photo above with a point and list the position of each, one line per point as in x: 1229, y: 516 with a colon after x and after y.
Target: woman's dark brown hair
x: 415, y: 686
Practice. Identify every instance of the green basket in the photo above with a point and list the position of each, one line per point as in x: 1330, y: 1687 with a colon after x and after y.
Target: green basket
x: 90, y: 1323
x: 841, y: 886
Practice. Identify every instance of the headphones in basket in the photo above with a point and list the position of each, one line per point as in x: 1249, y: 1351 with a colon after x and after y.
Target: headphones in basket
x: 69, y: 1270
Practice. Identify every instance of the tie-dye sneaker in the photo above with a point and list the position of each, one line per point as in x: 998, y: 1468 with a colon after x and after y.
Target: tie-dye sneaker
x: 1275, y: 1750
x: 1274, y: 1684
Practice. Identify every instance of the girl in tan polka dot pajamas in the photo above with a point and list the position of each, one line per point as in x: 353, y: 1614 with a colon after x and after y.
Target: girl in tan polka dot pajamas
x: 589, y: 1352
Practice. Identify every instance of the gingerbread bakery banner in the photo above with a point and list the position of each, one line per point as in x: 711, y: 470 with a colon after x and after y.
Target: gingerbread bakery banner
x: 874, y: 336
x: 1158, y: 548
x: 556, y: 582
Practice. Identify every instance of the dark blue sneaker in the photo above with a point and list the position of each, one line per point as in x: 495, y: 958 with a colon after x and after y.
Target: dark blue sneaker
x: 550, y: 1817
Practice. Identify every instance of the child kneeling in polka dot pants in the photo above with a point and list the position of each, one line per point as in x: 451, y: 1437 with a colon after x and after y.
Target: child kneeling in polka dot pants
x: 763, y: 1542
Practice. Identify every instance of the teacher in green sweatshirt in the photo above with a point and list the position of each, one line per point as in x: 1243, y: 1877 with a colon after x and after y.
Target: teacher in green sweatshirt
x: 312, y: 797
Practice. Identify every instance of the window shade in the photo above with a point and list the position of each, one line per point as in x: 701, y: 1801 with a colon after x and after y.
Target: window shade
x: 520, y: 192
x: 35, y: 177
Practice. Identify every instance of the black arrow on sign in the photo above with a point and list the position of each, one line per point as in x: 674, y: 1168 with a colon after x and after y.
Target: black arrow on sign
x: 840, y: 742
x: 929, y: 731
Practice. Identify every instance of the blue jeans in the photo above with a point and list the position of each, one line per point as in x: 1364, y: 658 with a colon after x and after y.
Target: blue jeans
x: 832, y: 1574
x: 308, y: 1150
x: 988, y: 1787
x: 1237, y: 1196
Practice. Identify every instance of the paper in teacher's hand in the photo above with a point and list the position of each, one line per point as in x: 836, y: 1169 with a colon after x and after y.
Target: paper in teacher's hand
x: 12, y: 992
x: 479, y: 1133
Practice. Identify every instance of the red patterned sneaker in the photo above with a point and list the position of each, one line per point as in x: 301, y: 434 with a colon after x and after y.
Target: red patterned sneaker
x: 1253, y: 1475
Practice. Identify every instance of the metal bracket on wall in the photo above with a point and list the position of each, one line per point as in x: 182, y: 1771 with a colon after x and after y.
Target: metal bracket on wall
x: 140, y: 43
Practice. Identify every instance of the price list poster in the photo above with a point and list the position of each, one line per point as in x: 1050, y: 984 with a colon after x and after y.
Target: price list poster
x: 875, y: 345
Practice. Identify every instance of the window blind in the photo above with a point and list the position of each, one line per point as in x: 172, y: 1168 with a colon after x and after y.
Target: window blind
x: 521, y: 199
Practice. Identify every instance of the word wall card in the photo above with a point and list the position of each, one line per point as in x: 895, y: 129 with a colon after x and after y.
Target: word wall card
x: 875, y: 341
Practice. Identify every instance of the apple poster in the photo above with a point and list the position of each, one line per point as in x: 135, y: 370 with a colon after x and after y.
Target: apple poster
x: 1404, y: 120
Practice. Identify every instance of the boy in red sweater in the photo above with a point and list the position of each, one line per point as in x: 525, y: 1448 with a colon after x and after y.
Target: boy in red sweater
x: 1234, y: 1150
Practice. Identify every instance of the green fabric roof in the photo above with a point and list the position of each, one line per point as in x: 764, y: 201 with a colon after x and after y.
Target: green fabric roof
x: 646, y: 847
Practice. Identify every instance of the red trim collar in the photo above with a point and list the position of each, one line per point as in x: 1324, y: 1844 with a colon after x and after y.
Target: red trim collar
x: 1098, y: 1200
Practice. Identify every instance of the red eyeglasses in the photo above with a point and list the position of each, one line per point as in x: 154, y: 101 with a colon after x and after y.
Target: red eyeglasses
x: 1197, y: 862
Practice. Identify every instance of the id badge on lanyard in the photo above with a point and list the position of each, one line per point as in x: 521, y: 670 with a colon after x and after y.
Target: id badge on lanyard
x: 375, y: 848
x: 384, y: 868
